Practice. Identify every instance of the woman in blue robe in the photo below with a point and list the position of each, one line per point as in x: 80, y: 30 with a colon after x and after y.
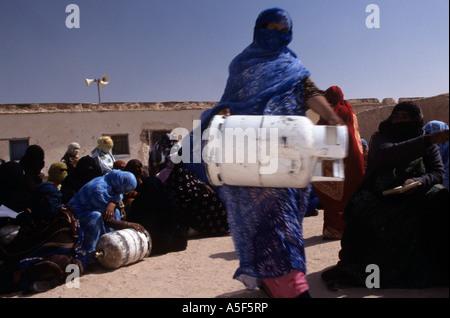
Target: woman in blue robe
x: 267, y: 78
x: 95, y: 204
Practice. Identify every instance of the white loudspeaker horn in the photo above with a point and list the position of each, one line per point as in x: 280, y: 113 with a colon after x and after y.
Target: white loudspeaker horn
x: 89, y: 81
x: 103, y: 81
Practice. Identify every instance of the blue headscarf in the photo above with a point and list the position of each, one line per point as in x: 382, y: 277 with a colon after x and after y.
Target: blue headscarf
x: 272, y: 41
x: 433, y: 126
x: 99, y: 192
x: 266, y: 77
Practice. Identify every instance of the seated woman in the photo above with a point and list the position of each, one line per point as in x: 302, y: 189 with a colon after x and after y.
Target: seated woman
x: 404, y: 234
x: 95, y: 204
x: 49, y: 239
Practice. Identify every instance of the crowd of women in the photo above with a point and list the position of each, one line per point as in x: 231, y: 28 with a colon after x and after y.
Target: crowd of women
x: 56, y: 221
x: 404, y: 234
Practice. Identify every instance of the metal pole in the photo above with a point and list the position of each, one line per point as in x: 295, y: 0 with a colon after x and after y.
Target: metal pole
x: 98, y: 88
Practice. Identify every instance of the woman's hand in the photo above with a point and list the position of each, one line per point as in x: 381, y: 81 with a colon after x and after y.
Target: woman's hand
x: 110, y: 211
x: 120, y: 225
x: 409, y: 181
x: 135, y: 226
x: 224, y: 111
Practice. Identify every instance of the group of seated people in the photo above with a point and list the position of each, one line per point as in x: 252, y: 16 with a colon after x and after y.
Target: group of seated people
x: 61, y: 219
x: 405, y: 234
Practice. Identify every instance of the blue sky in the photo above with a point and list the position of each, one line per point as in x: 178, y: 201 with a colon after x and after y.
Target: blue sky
x: 179, y: 50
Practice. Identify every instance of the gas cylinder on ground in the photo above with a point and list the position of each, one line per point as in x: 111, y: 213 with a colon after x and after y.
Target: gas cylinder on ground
x: 272, y: 151
x: 123, y: 247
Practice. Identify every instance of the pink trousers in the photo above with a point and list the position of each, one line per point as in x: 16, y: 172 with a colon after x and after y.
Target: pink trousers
x: 288, y: 286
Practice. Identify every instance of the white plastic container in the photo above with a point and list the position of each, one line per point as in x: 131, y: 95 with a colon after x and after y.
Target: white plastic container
x: 272, y: 151
x: 123, y: 247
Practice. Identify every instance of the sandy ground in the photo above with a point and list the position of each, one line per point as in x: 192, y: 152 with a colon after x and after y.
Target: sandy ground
x: 205, y: 270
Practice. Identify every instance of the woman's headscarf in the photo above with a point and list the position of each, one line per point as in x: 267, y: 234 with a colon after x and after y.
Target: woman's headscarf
x: 73, y: 149
x: 272, y: 40
x: 99, y: 192
x: 105, y: 144
x: 262, y: 79
x: 404, y: 130
x: 121, y: 181
x: 57, y: 172
x: 335, y: 96
x: 434, y: 125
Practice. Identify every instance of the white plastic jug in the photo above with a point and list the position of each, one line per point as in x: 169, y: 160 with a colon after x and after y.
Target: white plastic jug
x: 272, y: 151
x: 123, y: 247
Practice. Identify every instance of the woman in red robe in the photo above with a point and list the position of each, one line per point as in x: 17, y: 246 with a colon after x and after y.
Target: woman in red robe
x: 333, y: 196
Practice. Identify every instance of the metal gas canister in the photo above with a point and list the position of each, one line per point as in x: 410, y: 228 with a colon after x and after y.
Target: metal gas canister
x: 272, y: 151
x: 122, y: 247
